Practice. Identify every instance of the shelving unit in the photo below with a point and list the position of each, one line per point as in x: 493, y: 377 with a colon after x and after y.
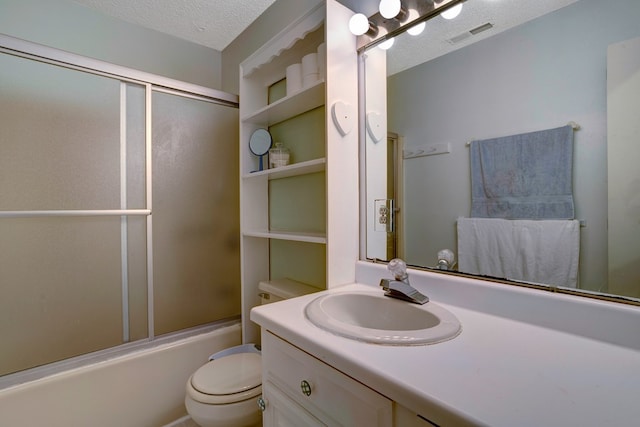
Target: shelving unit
x: 294, y: 237
x: 303, y: 100
x: 310, y: 166
x: 299, y: 222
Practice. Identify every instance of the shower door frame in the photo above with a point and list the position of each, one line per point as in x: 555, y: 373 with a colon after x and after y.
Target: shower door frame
x: 151, y: 83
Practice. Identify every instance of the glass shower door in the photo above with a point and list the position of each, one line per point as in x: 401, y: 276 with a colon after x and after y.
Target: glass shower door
x: 119, y: 212
x: 61, y: 160
x: 195, y: 212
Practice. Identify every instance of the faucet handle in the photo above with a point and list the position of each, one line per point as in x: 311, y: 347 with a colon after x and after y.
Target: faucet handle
x: 398, y: 268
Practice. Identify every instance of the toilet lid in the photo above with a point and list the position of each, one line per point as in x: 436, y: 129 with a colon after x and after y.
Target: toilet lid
x: 231, y: 374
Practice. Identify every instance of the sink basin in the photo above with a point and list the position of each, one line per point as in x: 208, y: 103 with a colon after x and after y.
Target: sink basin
x: 371, y: 317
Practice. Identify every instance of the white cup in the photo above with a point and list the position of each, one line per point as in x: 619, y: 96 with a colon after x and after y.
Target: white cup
x: 310, y: 79
x: 310, y: 64
x: 294, y: 78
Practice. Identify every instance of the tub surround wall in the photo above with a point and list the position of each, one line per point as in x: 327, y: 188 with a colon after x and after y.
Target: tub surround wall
x: 145, y: 388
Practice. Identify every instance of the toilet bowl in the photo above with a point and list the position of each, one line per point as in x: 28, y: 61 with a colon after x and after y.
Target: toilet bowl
x: 225, y: 391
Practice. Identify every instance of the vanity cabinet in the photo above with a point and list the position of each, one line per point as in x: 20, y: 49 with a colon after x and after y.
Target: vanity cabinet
x: 300, y: 390
x: 300, y: 221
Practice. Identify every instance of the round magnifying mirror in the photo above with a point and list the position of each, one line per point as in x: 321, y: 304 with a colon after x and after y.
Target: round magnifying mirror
x: 260, y: 143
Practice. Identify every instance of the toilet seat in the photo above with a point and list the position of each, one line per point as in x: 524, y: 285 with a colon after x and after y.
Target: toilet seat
x: 230, y: 379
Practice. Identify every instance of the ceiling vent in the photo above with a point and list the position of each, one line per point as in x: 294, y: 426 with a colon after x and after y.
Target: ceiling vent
x: 472, y: 32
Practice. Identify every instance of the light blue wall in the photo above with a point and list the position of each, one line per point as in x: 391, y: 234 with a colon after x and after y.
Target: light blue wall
x: 68, y: 26
x: 540, y: 75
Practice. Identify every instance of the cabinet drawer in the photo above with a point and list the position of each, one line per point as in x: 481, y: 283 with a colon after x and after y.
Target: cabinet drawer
x: 331, y: 396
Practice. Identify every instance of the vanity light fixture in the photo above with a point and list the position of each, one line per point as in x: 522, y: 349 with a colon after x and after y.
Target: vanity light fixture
x: 359, y: 25
x: 390, y: 8
x: 385, y: 45
x: 396, y: 16
x: 453, y: 12
x: 417, y: 29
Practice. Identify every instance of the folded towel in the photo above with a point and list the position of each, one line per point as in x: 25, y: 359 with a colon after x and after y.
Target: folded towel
x: 544, y: 251
x: 526, y: 176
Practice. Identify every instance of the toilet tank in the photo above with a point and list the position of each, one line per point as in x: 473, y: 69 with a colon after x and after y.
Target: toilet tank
x: 281, y: 289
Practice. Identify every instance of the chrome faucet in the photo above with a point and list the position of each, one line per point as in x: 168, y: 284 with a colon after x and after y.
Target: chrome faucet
x: 399, y: 287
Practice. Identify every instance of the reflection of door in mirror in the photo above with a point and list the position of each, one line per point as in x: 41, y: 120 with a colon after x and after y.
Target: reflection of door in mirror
x: 376, y: 155
x: 623, y: 153
x: 394, y: 193
x: 387, y: 221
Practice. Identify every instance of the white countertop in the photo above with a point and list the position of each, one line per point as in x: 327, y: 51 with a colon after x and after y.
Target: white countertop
x: 497, y: 372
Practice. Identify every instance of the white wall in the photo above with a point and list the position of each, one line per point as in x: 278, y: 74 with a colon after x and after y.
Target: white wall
x: 540, y: 75
x: 68, y: 26
x: 143, y: 389
x: 623, y: 81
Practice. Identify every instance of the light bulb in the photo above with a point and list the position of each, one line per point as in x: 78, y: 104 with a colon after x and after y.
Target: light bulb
x: 358, y: 24
x: 386, y: 44
x: 389, y: 8
x: 452, y: 12
x: 417, y: 29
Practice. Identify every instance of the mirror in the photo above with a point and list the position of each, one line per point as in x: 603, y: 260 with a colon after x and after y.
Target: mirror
x: 259, y: 144
x: 451, y: 85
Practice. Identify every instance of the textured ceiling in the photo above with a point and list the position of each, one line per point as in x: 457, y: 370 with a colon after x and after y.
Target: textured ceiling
x: 215, y: 23
x: 211, y: 23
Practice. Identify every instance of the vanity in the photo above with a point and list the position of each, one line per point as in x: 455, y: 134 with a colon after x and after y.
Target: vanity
x: 524, y: 357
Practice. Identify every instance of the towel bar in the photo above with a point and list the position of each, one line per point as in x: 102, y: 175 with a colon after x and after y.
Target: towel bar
x: 574, y: 126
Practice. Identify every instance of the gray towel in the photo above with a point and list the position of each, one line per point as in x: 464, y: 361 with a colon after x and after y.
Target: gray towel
x: 526, y: 176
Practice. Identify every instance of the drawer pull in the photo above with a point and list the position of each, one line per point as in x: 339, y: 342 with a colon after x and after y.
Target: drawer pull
x: 306, y: 388
x: 262, y: 404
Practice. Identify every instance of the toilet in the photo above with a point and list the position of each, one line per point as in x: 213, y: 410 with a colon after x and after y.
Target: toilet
x: 225, y: 391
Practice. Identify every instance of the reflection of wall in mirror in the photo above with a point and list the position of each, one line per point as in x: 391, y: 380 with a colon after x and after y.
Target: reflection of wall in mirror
x: 376, y: 152
x: 623, y: 100
x: 540, y: 75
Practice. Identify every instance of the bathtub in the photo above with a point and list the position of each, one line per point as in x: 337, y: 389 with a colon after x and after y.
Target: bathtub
x: 144, y: 388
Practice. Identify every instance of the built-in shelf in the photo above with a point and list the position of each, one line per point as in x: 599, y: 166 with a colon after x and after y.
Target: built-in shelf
x: 319, y: 251
x: 289, y: 39
x: 290, y: 106
x: 302, y: 168
x: 283, y: 235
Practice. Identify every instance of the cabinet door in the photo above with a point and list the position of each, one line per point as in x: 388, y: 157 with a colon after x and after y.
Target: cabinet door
x: 281, y: 411
x: 327, y: 394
